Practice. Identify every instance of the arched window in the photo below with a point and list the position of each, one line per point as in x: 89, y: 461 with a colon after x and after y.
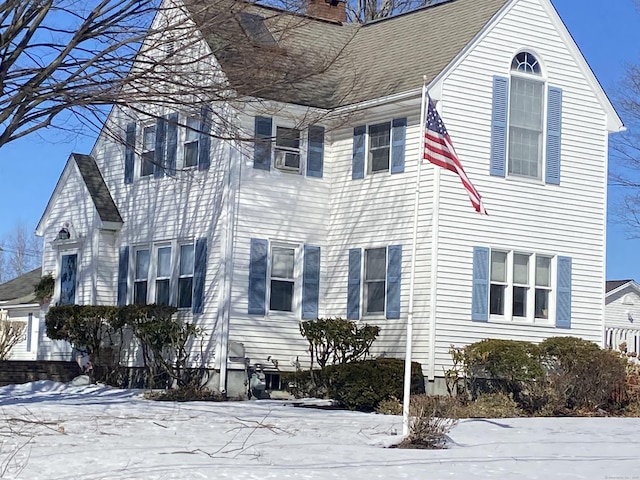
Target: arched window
x: 526, y: 117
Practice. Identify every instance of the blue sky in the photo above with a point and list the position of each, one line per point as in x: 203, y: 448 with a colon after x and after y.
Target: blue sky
x: 608, y: 34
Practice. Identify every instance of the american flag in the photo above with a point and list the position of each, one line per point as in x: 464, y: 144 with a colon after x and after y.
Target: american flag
x: 438, y: 149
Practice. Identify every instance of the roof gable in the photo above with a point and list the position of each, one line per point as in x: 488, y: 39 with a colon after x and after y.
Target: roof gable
x: 86, y: 167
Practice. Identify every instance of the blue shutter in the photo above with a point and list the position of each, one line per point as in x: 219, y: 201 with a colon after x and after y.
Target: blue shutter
x: 563, y: 303
x: 480, y: 292
x: 172, y: 142
x: 353, y: 293
x: 357, y: 168
x: 394, y: 273
x: 310, y: 282
x: 398, y: 134
x: 258, y: 276
x: 123, y: 275
x: 199, y: 275
x: 159, y: 154
x: 498, y: 160
x: 315, y: 155
x: 262, y: 144
x: 554, y: 128
x: 129, y: 152
x: 204, y: 138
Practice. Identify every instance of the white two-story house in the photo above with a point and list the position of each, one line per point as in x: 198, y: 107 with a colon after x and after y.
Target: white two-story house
x: 309, y: 212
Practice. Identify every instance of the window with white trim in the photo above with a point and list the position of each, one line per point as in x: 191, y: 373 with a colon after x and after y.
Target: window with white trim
x: 191, y: 141
x: 148, y: 150
x: 526, y: 117
x: 375, y: 279
x: 282, y: 278
x: 141, y: 276
x: 185, y: 275
x: 521, y: 285
x: 379, y: 147
x: 163, y: 276
x: 287, y: 151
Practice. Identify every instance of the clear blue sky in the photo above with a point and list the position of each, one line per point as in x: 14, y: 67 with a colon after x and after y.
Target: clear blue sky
x: 607, y: 32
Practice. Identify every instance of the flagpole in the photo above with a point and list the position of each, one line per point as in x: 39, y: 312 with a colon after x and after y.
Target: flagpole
x: 416, y: 210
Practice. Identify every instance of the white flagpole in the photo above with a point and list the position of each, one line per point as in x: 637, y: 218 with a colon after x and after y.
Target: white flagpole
x: 416, y: 210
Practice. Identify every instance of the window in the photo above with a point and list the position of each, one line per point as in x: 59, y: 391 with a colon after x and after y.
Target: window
x: 379, y: 145
x: 169, y: 273
x: 379, y: 148
x: 191, y: 142
x: 375, y: 274
x: 520, y: 285
x: 141, y: 276
x: 526, y: 114
x: 163, y: 276
x: 185, y: 277
x: 148, y: 150
x: 282, y: 281
x: 287, y: 149
x: 68, y: 279
x: 526, y: 123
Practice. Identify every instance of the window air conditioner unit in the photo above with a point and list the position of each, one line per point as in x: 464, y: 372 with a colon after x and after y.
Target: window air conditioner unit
x: 288, y: 161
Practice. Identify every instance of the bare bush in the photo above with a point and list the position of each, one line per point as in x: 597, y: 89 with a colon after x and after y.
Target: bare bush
x: 11, y: 334
x: 432, y: 418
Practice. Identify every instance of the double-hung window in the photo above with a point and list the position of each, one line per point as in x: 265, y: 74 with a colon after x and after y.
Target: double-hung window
x: 191, y: 142
x: 141, y: 276
x: 379, y: 146
x: 163, y: 275
x: 287, y: 149
x: 185, y: 277
x: 375, y: 274
x: 282, y: 278
x: 148, y: 150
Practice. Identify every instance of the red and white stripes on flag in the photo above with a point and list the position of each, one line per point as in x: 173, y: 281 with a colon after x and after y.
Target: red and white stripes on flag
x: 439, y: 150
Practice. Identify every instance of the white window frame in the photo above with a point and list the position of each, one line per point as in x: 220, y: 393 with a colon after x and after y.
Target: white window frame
x: 280, y: 151
x: 534, y: 78
x: 185, y: 132
x: 297, y: 277
x: 137, y: 279
x: 144, y: 150
x: 369, y: 152
x: 181, y: 275
x: 365, y: 282
x: 509, y: 285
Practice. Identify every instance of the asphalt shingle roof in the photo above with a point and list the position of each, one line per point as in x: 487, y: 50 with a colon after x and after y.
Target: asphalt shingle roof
x: 97, y: 188
x: 328, y: 64
x: 21, y: 287
x: 611, y: 285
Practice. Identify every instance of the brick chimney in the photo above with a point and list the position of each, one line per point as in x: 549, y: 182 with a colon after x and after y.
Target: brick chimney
x: 332, y: 10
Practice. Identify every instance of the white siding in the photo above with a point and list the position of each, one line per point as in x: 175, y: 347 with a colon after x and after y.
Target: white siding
x: 527, y: 216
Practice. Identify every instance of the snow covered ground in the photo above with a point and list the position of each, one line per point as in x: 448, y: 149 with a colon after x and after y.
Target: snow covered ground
x: 55, y: 431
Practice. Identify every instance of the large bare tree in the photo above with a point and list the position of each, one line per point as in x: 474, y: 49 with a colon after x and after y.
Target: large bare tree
x: 363, y: 11
x: 624, y: 174
x: 20, y: 252
x: 62, y: 58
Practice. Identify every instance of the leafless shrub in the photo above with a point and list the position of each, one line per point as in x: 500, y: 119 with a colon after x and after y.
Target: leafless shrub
x: 11, y: 333
x: 432, y: 418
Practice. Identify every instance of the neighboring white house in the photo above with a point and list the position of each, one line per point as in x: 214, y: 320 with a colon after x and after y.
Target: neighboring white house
x: 316, y: 220
x: 18, y: 304
x: 622, y: 315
